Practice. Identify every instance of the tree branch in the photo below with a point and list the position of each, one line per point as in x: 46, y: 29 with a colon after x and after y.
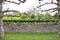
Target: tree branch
x: 48, y: 3
x: 13, y: 2
x: 53, y: 11
x: 9, y: 11
x: 48, y: 9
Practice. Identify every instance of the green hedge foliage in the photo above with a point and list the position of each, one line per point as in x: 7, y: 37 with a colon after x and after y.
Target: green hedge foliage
x: 19, y: 19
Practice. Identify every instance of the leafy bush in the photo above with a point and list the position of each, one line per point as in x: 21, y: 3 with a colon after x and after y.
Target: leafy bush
x: 39, y: 16
x: 30, y: 17
x: 47, y: 15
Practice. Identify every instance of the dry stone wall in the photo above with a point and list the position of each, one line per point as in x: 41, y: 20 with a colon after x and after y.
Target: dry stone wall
x: 30, y: 27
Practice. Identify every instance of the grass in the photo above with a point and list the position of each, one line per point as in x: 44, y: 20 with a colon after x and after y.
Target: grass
x: 30, y: 36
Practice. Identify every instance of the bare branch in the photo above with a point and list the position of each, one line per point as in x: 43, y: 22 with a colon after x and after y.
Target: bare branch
x: 48, y: 9
x: 10, y: 11
x: 48, y: 3
x: 13, y: 2
x: 53, y: 11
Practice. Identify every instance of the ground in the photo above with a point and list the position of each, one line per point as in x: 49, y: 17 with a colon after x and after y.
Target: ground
x: 30, y: 36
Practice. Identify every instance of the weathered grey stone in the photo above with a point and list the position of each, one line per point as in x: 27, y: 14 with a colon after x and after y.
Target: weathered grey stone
x: 30, y: 27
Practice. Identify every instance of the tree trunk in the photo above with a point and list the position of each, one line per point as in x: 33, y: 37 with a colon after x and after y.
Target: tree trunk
x: 1, y: 28
x: 58, y: 1
x: 1, y: 23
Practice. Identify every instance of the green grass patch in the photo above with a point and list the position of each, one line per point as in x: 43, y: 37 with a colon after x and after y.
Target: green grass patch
x: 30, y: 36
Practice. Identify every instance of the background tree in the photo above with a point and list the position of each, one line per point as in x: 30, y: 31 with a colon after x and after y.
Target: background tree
x: 1, y: 21
x: 58, y: 1
x: 54, y: 9
x: 1, y: 15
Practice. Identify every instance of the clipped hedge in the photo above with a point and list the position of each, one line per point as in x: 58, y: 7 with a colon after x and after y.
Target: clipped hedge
x: 18, y: 19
